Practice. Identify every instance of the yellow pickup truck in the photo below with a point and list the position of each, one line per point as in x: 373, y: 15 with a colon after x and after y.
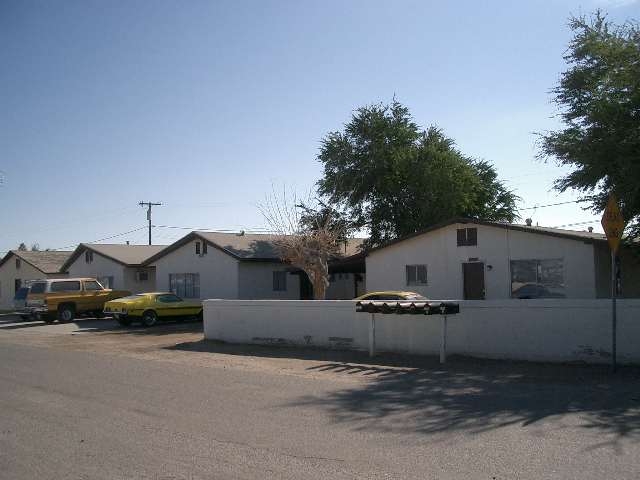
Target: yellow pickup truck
x: 64, y: 298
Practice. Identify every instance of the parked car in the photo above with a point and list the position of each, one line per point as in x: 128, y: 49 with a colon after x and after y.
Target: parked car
x: 64, y: 298
x: 392, y: 295
x: 148, y: 308
x: 20, y: 303
x: 534, y: 290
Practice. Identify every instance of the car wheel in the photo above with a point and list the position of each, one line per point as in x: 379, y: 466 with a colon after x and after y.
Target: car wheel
x: 124, y: 321
x: 149, y: 318
x: 66, y: 313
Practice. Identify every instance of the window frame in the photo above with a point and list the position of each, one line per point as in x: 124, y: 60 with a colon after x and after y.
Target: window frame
x: 467, y: 240
x: 416, y: 277
x: 58, y: 282
x: 538, y: 264
x: 197, y: 248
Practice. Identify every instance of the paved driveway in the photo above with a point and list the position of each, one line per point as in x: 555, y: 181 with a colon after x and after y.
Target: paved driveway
x: 94, y: 400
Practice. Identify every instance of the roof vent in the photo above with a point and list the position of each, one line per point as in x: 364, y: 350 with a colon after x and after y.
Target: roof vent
x: 528, y: 221
x: 240, y: 233
x: 590, y: 229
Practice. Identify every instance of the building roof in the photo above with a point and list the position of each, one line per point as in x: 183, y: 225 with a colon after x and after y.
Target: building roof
x: 244, y: 246
x: 47, y: 261
x: 583, y: 236
x: 128, y: 255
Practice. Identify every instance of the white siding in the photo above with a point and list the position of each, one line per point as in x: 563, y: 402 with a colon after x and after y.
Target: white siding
x: 8, y: 276
x: 137, y: 286
x: 218, y: 270
x: 496, y: 247
x: 256, y: 282
x: 99, y: 267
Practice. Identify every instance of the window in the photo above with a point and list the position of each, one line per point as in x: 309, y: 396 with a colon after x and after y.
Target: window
x: 92, y: 286
x: 279, y: 281
x: 537, y: 278
x: 168, y: 298
x: 467, y: 237
x: 88, y: 256
x: 416, y: 274
x: 17, y: 283
x: 204, y: 248
x: 185, y: 285
x: 18, y: 264
x: 142, y: 276
x: 197, y: 248
x: 66, y: 286
x: 107, y: 282
x: 38, y: 287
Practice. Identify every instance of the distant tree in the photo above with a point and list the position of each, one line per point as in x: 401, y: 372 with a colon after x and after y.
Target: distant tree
x: 35, y: 247
x: 599, y: 101
x: 394, y: 179
x: 22, y: 247
x: 308, y: 236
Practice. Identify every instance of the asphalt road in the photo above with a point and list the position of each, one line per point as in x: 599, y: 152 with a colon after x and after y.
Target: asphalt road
x: 166, y: 405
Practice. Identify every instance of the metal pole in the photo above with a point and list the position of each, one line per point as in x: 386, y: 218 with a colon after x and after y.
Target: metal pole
x: 443, y: 340
x: 372, y: 335
x: 614, y: 365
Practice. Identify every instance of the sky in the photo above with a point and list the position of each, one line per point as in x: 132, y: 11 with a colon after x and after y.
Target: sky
x: 208, y: 106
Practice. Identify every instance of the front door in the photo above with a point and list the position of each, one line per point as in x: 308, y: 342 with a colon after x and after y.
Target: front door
x: 473, y: 278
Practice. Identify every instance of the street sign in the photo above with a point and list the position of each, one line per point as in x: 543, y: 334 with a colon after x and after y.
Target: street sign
x: 613, y: 223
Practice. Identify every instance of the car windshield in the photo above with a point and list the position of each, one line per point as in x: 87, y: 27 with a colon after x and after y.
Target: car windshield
x: 414, y: 296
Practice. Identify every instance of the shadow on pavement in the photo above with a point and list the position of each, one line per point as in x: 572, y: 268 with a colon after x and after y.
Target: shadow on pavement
x: 417, y: 394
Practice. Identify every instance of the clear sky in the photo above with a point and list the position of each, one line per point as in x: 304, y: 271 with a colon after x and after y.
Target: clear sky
x: 205, y: 105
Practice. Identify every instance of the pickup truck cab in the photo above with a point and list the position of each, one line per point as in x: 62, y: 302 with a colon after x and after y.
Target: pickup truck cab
x: 64, y: 298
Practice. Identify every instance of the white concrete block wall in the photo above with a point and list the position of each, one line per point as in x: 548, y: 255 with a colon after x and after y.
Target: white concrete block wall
x: 539, y: 330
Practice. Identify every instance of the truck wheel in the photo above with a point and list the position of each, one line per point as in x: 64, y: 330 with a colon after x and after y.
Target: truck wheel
x: 66, y: 313
x: 149, y: 318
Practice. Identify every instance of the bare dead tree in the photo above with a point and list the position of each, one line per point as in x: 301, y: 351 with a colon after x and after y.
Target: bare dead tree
x: 307, y: 245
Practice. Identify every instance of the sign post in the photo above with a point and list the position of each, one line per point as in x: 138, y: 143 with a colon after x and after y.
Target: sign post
x: 613, y: 225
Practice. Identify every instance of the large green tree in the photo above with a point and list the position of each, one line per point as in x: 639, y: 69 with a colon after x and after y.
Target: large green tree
x: 599, y: 101
x: 394, y: 178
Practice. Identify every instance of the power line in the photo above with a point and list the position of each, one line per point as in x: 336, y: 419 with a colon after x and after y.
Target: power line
x: 103, y: 239
x: 577, y: 223
x: 224, y: 230
x: 554, y: 204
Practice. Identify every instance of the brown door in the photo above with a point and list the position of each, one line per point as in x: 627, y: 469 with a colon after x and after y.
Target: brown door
x: 473, y: 277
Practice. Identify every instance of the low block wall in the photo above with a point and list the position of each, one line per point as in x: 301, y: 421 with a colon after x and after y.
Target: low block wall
x: 540, y: 330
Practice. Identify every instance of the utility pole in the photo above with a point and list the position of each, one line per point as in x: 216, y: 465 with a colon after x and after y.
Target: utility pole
x: 149, y: 205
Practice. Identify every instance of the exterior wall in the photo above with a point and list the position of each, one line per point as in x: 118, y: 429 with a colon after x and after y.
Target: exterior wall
x: 630, y: 272
x: 8, y: 276
x: 343, y: 287
x: 255, y: 281
x: 134, y: 285
x: 218, y: 271
x: 555, y: 330
x: 496, y: 247
x: 100, y: 267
